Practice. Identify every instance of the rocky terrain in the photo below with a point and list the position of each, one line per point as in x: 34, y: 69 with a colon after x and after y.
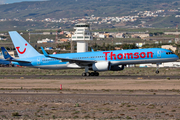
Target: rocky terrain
x: 89, y: 99
x: 89, y: 106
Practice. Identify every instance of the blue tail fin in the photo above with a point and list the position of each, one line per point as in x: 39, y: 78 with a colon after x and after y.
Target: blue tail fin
x: 23, y: 48
x: 6, y: 54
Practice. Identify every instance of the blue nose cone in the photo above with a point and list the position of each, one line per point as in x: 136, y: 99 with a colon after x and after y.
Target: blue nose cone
x: 176, y: 57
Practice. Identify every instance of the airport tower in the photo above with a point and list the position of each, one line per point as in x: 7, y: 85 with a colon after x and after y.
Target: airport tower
x: 82, y: 35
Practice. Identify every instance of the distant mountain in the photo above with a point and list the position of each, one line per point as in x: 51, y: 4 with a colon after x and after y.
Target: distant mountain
x: 79, y: 8
x: 14, y: 1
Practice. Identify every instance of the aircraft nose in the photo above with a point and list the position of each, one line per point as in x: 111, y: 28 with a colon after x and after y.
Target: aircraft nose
x: 176, y: 57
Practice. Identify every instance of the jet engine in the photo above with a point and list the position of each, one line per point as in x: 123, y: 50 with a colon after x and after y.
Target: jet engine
x: 117, y: 68
x: 101, y: 66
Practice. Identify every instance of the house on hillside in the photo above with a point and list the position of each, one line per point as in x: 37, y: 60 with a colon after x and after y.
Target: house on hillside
x: 120, y: 35
x: 47, y: 33
x: 135, y: 36
x: 102, y: 36
x: 142, y: 36
x: 69, y: 35
x: 61, y: 33
x: 64, y: 40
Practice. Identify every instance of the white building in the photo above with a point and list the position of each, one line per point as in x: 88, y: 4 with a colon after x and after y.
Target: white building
x: 47, y: 33
x: 102, y: 36
x: 45, y: 41
x: 119, y: 35
x: 172, y: 33
x: 142, y: 36
x: 82, y: 35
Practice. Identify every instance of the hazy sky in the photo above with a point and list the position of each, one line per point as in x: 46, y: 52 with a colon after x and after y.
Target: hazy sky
x: 14, y: 1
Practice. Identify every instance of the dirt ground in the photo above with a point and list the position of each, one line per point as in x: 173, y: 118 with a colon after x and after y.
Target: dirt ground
x: 92, y: 84
x: 89, y: 99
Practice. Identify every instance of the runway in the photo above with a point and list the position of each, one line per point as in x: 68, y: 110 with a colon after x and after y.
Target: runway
x: 90, y: 77
x: 87, y: 95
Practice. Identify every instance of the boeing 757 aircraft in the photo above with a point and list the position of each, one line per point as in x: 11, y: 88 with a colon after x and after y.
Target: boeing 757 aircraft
x: 113, y: 60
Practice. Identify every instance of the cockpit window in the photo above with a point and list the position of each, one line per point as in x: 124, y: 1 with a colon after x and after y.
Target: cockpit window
x: 168, y: 53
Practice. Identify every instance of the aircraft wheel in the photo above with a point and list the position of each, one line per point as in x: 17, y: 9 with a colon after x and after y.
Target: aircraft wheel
x: 92, y: 74
x: 83, y: 74
x: 88, y: 74
x: 157, y: 71
x: 96, y: 74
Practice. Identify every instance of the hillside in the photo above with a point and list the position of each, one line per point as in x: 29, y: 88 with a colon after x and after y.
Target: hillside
x: 14, y: 16
x: 79, y: 8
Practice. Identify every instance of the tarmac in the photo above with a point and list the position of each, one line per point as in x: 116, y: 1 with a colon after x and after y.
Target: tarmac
x: 86, y: 77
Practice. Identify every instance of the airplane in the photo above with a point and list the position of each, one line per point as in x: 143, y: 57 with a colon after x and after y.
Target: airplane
x: 4, y: 62
x: 113, y: 60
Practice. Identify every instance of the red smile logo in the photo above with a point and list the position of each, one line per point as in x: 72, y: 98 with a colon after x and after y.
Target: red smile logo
x: 22, y: 51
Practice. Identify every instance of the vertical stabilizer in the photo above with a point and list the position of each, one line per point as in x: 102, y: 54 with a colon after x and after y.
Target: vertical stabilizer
x: 23, y: 48
x: 6, y: 54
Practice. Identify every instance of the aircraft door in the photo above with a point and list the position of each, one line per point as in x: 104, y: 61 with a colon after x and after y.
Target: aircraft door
x: 38, y: 61
x: 124, y: 56
x: 159, y: 54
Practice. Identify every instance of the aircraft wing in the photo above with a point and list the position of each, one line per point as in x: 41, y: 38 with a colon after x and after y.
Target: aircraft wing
x: 9, y: 58
x: 77, y: 61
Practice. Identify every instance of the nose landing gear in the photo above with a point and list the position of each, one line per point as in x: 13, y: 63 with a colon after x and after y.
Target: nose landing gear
x: 157, y: 72
x: 157, y: 68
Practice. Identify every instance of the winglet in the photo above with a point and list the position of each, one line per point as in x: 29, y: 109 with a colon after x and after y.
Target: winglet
x: 6, y: 54
x: 92, y: 50
x: 44, y: 52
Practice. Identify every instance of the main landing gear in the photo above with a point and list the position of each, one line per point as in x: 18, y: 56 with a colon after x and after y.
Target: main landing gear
x: 86, y: 73
x: 157, y: 68
x: 90, y: 74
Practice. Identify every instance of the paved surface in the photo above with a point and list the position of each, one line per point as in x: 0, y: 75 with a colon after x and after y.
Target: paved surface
x: 92, y: 77
x: 80, y: 95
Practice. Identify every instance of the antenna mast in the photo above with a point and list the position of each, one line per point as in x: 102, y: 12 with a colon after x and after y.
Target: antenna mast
x: 29, y: 38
